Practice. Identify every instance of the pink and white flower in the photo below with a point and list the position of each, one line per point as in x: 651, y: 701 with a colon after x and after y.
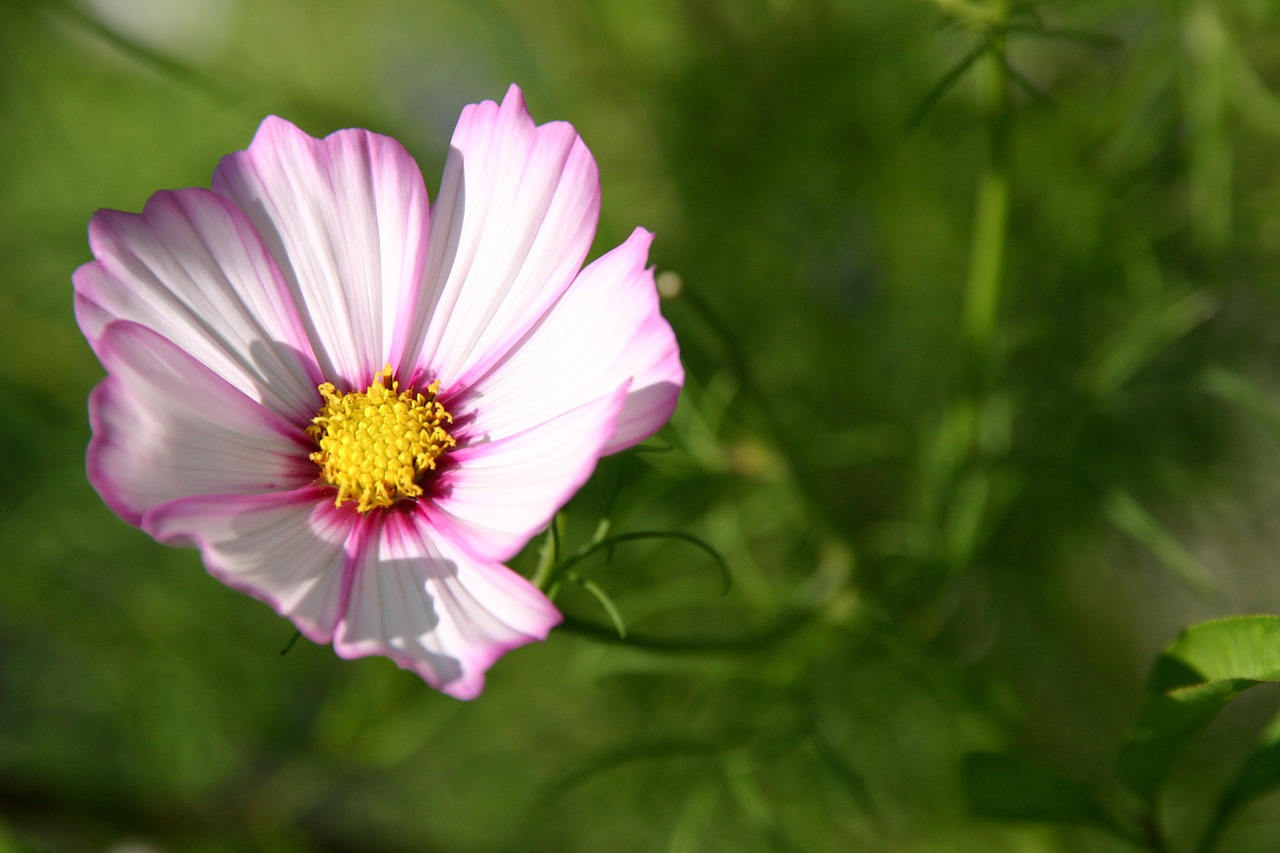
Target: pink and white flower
x: 358, y: 407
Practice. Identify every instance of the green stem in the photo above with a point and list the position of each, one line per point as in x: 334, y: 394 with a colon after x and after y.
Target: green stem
x: 549, y: 556
x: 991, y: 206
x: 987, y: 261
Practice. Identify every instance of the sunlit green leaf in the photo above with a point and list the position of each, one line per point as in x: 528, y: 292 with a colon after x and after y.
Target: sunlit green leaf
x: 1208, y: 666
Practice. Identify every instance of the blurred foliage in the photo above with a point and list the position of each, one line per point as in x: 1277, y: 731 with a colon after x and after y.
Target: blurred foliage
x: 977, y: 302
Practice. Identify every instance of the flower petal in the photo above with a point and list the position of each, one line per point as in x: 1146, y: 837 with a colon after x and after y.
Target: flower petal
x: 346, y: 219
x: 422, y: 601
x: 167, y: 427
x: 288, y: 549
x: 497, y: 494
x: 605, y: 330
x: 515, y: 216
x: 191, y: 267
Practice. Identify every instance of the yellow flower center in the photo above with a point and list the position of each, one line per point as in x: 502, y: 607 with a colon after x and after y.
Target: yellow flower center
x: 376, y: 444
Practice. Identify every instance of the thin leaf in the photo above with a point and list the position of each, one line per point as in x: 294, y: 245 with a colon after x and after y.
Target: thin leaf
x: 1023, y: 83
x: 840, y: 767
x: 1245, y: 394
x: 1147, y: 334
x: 608, y: 543
x: 297, y: 635
x: 1131, y: 518
x: 601, y: 533
x: 651, y: 448
x: 741, y: 780
x: 606, y: 602
x: 944, y: 83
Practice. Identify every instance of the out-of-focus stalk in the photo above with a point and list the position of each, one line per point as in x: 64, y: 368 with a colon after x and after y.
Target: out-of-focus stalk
x: 991, y: 204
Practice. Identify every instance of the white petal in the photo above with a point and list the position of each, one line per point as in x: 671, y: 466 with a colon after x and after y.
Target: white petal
x: 192, y: 268
x: 287, y: 549
x: 606, y: 330
x: 432, y: 608
x: 166, y: 427
x: 514, y: 219
x: 346, y: 219
x: 495, y: 495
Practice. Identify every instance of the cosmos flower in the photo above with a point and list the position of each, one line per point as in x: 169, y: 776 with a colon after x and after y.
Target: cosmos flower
x: 358, y: 407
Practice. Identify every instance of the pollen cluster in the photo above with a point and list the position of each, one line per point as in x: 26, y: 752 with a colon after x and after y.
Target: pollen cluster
x: 376, y: 444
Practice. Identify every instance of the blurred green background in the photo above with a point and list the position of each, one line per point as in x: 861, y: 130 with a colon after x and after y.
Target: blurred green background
x: 978, y: 303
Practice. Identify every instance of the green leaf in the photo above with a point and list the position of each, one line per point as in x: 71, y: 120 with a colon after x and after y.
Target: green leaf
x: 1204, y: 669
x: 1007, y: 786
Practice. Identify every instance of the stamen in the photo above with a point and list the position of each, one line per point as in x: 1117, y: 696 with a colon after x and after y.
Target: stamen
x: 375, y: 445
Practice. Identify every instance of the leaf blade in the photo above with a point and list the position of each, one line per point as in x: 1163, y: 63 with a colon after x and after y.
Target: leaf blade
x: 1205, y: 668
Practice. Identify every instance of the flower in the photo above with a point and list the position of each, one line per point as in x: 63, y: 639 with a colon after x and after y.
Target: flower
x: 359, y: 408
